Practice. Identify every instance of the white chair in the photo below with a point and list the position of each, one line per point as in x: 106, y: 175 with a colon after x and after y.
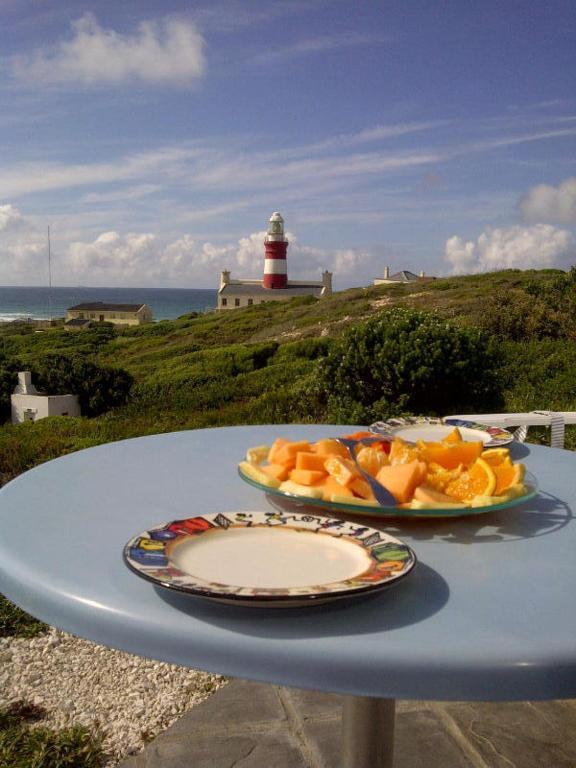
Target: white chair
x: 556, y: 420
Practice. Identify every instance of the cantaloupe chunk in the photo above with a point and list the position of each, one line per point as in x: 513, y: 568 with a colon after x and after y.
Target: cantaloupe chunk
x: 332, y: 487
x: 296, y: 489
x: 361, y: 487
x: 276, y: 470
x: 287, y: 453
x: 279, y: 443
x: 331, y: 447
x: 307, y: 476
x: 255, y: 473
x: 342, y: 470
x: 401, y: 480
x: 431, y: 495
x: 313, y: 461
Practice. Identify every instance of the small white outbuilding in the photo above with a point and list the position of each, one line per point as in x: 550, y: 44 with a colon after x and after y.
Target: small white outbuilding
x: 30, y: 405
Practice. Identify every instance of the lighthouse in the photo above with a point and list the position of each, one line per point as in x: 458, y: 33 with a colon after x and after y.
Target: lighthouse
x: 275, y: 246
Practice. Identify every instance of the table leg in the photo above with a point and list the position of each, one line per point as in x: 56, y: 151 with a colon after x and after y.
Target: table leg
x: 367, y: 732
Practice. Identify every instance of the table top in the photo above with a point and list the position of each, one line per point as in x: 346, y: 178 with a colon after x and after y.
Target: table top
x: 488, y: 613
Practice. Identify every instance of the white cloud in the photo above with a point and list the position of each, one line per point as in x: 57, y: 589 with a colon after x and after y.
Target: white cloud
x: 10, y: 218
x: 170, y: 51
x: 319, y: 44
x: 539, y: 246
x: 546, y: 203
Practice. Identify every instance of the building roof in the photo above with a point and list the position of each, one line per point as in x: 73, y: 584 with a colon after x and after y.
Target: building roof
x: 95, y: 306
x: 404, y: 276
x: 77, y: 321
x: 236, y: 289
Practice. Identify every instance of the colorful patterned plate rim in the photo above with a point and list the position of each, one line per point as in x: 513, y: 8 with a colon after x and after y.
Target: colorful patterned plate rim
x: 375, y: 510
x: 493, y: 437
x: 268, y: 558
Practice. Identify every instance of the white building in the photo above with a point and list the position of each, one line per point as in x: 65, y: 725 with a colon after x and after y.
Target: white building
x: 82, y: 315
x: 30, y: 405
x: 404, y: 276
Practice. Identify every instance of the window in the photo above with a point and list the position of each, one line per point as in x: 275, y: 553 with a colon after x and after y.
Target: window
x: 101, y: 318
x: 224, y: 302
x: 250, y: 302
x: 236, y: 302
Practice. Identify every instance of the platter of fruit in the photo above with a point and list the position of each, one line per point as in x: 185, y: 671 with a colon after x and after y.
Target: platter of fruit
x: 373, y: 475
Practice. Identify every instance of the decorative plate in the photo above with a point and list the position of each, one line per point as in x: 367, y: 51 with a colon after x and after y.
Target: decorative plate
x: 432, y: 429
x: 273, y: 559
x: 364, y: 509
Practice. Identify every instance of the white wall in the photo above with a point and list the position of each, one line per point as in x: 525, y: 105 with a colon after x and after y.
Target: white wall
x: 34, y: 407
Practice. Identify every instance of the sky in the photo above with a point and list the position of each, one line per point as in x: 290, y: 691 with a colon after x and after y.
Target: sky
x: 155, y: 139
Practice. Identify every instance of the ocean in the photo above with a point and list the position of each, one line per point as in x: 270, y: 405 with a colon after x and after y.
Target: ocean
x: 19, y: 303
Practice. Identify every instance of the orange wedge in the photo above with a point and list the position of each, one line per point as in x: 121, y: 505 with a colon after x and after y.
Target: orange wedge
x: 479, y: 480
x: 507, y: 475
x: 402, y: 452
x: 453, y: 437
x: 450, y: 456
x: 495, y: 456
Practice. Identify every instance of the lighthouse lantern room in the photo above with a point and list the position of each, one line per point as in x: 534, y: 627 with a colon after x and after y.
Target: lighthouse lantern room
x: 275, y: 247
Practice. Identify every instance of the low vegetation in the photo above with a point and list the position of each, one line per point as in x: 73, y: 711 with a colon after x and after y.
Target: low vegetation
x: 25, y: 745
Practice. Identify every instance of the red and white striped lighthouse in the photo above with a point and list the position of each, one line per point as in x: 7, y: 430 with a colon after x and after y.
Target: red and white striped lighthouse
x: 275, y: 245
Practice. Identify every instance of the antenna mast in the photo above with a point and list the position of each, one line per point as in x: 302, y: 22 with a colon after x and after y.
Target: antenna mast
x: 49, y: 278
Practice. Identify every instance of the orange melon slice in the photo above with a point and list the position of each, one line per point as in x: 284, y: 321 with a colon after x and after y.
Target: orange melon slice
x: 278, y: 471
x: 307, y: 476
x: 401, y: 479
x: 313, y: 461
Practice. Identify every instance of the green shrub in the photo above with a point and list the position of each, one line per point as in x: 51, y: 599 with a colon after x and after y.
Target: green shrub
x: 98, y: 388
x: 538, y: 310
x: 310, y: 349
x: 404, y: 361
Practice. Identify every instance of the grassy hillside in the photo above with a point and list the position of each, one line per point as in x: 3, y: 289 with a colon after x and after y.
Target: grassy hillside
x: 257, y: 365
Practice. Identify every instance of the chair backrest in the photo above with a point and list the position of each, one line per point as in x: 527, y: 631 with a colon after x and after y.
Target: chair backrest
x: 556, y: 420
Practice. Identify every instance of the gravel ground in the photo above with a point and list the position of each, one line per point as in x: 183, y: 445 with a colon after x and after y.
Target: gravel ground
x: 126, y: 699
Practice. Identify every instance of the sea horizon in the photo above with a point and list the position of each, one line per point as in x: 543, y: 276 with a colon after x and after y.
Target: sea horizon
x: 43, y: 303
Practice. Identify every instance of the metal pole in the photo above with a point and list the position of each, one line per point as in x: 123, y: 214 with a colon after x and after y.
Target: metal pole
x: 49, y: 278
x: 368, y: 732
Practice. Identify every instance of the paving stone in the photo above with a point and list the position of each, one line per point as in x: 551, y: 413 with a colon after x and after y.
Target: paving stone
x: 314, y: 704
x: 236, y: 705
x: 421, y: 741
x: 519, y: 733
x: 271, y: 750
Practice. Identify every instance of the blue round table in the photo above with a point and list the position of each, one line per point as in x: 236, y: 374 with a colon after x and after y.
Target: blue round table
x: 488, y: 614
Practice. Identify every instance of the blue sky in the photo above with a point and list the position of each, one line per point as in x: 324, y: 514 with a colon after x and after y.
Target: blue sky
x: 156, y: 138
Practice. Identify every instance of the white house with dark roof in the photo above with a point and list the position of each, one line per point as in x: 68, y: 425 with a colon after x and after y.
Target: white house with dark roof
x: 274, y: 285
x: 81, y: 315
x: 404, y: 276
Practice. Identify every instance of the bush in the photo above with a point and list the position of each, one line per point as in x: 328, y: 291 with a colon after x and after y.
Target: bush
x: 403, y: 362
x: 539, y: 310
x: 98, y: 388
